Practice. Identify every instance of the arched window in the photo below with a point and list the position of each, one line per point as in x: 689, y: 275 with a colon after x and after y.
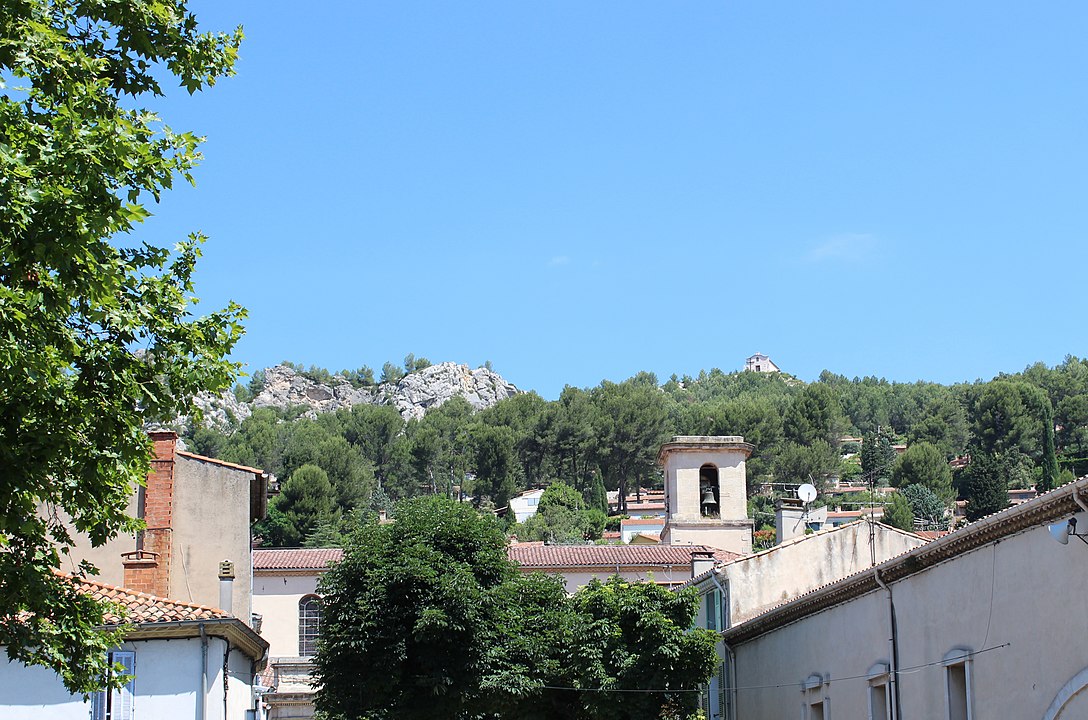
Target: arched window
x: 708, y: 491
x: 309, y: 625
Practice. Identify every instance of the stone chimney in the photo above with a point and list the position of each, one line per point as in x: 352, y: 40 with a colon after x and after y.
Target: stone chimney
x: 147, y: 569
x: 701, y: 561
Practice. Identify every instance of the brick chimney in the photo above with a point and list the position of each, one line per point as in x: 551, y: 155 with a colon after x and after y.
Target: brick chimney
x: 147, y: 569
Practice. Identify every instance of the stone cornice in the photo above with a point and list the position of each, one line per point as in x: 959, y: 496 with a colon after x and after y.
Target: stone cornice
x: 705, y: 443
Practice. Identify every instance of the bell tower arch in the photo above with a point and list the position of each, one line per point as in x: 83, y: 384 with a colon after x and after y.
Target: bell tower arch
x: 705, y: 492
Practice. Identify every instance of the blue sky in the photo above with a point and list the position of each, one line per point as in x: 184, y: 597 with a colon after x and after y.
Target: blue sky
x: 580, y: 191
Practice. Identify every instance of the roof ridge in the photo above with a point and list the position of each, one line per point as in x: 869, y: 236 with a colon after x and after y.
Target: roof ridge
x: 217, y: 461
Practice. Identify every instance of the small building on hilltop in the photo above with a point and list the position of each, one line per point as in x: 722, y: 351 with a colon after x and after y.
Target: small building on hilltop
x: 760, y: 363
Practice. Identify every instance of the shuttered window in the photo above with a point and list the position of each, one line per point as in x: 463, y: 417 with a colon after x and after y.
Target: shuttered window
x: 118, y: 704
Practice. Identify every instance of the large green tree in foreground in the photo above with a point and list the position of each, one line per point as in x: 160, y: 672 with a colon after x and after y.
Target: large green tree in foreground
x: 427, y: 618
x: 97, y: 335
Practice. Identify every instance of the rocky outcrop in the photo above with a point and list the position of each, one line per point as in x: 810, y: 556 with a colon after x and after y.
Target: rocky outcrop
x: 412, y: 395
x: 432, y: 386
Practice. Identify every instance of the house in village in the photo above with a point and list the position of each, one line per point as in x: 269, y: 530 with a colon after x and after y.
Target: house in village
x: 198, y: 512
x: 186, y: 581
x: 983, y: 622
x: 524, y: 505
x: 187, y: 661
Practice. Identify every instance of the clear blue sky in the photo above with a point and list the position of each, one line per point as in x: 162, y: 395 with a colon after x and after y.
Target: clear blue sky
x: 581, y: 190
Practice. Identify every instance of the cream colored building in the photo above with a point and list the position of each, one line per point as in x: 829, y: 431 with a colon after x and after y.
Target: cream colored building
x: 198, y: 512
x: 986, y: 622
x: 706, y: 493
x: 285, y: 596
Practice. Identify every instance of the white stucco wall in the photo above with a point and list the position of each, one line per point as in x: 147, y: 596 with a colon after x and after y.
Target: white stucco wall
x: 276, y: 598
x: 168, y: 675
x: 1022, y: 603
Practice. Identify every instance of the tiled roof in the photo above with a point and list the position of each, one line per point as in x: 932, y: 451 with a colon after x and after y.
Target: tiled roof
x: 217, y: 461
x: 142, y: 608
x: 533, y: 555
x: 296, y: 558
x: 573, y: 556
x: 642, y: 522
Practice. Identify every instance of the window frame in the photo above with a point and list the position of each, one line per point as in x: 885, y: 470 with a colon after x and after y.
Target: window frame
x: 879, y: 676
x: 955, y: 660
x: 309, y: 624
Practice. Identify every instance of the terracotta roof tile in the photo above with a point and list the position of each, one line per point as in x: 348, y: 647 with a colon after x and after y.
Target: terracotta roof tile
x: 296, y: 558
x: 142, y: 608
x: 570, y: 556
x: 642, y: 522
x: 217, y: 461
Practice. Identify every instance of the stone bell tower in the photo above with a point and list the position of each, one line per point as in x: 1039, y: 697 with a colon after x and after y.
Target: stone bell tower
x: 705, y: 493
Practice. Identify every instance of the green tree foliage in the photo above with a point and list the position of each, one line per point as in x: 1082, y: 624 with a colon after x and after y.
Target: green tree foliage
x: 562, y: 518
x: 638, y: 636
x: 926, y: 505
x: 409, y: 612
x: 1050, y: 472
x: 878, y: 455
x: 428, y: 618
x: 630, y: 427
x: 898, y: 513
x: 796, y: 463
x: 97, y: 334
x: 306, y: 501
x: 391, y: 373
x: 924, y: 463
x: 814, y: 415
x: 986, y: 487
x: 1007, y: 415
x: 495, y: 462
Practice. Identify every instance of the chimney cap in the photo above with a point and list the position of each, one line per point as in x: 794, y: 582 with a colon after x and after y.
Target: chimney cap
x: 226, y: 570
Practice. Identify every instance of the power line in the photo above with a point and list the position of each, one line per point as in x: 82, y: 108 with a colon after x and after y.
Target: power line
x: 791, y: 685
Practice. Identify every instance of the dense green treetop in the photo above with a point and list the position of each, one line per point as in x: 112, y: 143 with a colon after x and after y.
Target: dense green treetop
x: 97, y: 331
x: 608, y: 436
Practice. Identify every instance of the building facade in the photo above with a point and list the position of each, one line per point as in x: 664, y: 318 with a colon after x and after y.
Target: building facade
x: 984, y: 622
x: 198, y: 512
x: 187, y: 660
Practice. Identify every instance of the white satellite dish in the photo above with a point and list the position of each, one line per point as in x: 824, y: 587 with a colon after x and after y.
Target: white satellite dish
x: 807, y: 493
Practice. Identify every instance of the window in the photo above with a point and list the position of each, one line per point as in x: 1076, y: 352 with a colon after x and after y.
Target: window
x: 714, y: 610
x: 957, y: 670
x: 879, y: 698
x: 815, y: 706
x: 116, y: 704
x: 309, y: 625
x: 532, y: 502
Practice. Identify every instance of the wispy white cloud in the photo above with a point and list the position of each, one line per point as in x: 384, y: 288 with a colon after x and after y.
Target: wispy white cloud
x: 559, y: 260
x: 851, y: 246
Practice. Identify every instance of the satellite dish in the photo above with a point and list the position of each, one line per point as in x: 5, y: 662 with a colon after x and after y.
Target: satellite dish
x: 807, y: 493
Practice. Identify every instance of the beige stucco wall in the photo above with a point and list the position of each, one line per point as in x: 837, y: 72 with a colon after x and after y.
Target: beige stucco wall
x: 664, y: 575
x: 275, y: 598
x: 1021, y: 602
x: 211, y: 523
x: 772, y: 577
x: 685, y: 524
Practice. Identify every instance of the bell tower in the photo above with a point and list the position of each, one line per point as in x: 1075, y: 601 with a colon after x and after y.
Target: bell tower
x: 705, y: 492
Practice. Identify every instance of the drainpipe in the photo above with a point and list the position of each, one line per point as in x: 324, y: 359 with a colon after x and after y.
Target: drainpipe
x: 1079, y: 501
x: 895, y: 644
x: 226, y: 676
x: 202, y: 700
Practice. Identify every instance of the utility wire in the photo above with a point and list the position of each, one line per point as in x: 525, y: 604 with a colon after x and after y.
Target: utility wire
x: 793, y: 685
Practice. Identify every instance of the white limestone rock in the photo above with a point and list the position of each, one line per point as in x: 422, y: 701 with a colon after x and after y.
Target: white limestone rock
x: 412, y: 396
